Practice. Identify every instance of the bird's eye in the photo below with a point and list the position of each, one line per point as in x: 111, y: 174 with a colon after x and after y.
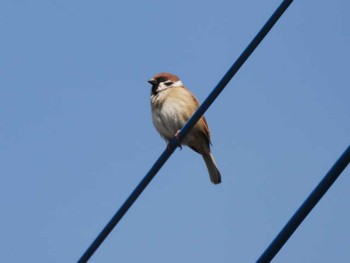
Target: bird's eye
x: 162, y: 79
x: 168, y: 83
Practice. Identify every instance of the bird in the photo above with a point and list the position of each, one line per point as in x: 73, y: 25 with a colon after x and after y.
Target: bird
x: 172, y: 104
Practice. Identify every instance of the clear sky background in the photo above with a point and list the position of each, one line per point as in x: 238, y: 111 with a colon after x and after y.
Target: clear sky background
x: 76, y: 135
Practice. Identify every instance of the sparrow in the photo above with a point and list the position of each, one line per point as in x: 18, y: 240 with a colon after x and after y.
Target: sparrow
x: 172, y: 105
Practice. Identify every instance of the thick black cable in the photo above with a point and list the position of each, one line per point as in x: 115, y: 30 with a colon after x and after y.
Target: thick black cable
x: 173, y: 144
x: 306, y: 207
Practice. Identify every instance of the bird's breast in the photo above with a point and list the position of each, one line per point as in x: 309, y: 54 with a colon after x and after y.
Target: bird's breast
x: 167, y: 118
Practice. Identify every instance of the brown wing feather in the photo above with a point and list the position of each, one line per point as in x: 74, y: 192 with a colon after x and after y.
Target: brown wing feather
x: 202, y: 121
x: 186, y: 96
x: 206, y: 130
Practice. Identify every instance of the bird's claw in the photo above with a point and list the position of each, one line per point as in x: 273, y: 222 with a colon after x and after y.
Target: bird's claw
x: 177, y: 135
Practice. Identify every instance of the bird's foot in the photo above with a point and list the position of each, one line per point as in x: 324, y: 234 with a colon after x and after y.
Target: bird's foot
x: 177, y: 135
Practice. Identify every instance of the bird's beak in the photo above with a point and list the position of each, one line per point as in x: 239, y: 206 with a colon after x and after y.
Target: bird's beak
x: 152, y: 82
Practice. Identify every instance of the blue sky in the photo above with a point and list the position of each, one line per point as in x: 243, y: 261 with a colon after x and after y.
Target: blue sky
x: 76, y: 135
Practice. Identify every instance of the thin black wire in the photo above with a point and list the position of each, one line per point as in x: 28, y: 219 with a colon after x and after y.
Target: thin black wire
x: 173, y: 144
x: 306, y: 207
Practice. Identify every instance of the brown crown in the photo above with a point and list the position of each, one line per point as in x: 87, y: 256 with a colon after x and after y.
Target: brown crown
x: 164, y: 76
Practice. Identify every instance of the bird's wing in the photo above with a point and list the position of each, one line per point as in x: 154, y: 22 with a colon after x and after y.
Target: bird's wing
x: 202, y: 121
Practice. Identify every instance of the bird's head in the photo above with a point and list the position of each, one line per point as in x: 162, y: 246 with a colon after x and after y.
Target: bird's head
x: 163, y: 81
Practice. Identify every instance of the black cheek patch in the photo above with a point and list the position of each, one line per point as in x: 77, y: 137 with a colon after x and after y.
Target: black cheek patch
x: 154, y: 89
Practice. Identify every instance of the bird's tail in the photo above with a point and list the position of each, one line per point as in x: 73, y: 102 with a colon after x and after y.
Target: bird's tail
x: 215, y: 176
